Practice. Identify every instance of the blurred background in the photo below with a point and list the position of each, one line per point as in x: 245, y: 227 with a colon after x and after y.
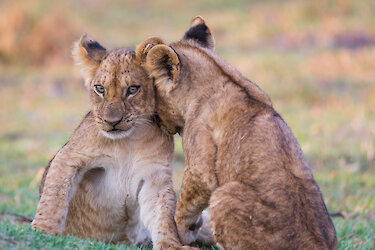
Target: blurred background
x: 315, y: 59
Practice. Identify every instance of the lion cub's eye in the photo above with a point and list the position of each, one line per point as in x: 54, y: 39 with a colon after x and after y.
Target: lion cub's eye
x: 132, y: 90
x: 100, y: 89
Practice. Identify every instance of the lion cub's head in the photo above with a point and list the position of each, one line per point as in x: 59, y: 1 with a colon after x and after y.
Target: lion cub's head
x: 121, y: 93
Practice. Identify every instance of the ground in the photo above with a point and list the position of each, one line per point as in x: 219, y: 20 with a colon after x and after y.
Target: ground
x: 315, y: 59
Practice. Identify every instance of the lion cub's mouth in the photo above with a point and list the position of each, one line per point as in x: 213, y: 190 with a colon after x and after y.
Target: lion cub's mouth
x: 115, y: 133
x: 117, y: 130
x: 114, y: 130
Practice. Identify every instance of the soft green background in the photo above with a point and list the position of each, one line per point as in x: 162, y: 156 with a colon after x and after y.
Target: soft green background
x: 315, y: 59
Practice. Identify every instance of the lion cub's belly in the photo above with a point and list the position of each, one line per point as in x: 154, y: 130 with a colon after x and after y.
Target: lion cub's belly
x: 103, y: 208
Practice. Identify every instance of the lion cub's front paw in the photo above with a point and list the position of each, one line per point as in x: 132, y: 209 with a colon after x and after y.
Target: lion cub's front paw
x: 37, y: 225
x: 189, y: 232
x: 188, y: 248
x: 186, y: 236
x: 169, y: 246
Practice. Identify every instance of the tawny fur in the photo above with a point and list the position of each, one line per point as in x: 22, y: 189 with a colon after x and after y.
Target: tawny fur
x: 112, y: 185
x: 242, y: 160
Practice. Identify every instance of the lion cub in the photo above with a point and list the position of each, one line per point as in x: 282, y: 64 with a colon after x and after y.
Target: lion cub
x: 242, y: 160
x: 113, y: 179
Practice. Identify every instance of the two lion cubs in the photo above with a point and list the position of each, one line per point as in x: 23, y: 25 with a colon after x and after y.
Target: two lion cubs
x: 242, y: 160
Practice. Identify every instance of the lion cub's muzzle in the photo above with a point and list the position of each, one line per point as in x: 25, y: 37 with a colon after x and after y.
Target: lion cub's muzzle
x: 113, y: 124
x: 116, y: 123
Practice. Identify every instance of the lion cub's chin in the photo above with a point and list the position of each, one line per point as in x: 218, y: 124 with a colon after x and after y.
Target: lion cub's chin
x: 117, y: 134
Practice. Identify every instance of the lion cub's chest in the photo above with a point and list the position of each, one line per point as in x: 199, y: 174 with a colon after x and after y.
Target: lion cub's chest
x: 105, y: 204
x: 109, y: 182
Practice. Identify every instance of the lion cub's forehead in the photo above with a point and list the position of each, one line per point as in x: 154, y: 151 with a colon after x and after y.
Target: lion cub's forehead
x: 118, y: 60
x: 118, y: 64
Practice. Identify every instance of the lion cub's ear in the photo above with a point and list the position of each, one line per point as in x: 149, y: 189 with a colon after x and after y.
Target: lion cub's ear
x: 144, y: 47
x: 200, y: 33
x: 88, y: 53
x: 163, y: 65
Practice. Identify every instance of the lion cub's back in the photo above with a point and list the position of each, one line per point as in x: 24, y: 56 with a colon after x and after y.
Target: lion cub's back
x: 258, y: 149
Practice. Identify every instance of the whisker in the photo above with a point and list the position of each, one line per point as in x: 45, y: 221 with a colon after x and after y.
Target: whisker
x: 143, y: 123
x: 144, y: 120
x: 144, y: 115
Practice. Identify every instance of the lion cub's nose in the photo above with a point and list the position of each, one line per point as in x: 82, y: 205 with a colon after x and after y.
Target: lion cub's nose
x: 113, y: 123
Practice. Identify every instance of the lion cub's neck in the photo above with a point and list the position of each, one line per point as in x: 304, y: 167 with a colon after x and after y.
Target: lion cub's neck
x: 209, y: 83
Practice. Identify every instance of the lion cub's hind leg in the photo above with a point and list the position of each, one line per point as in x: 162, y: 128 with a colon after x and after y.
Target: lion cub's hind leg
x: 241, y: 220
x: 231, y: 219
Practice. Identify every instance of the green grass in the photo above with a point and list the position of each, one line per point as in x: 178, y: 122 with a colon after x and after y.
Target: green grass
x: 23, y: 237
x: 300, y: 52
